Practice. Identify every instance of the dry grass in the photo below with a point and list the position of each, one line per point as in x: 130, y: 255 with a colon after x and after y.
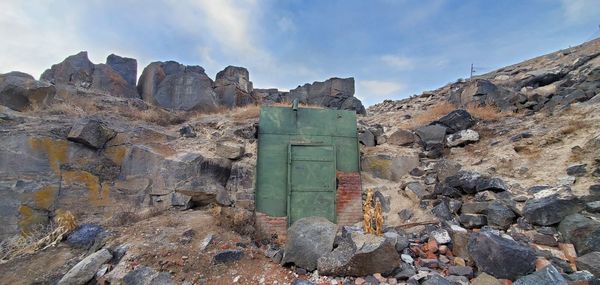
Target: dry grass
x: 487, y: 112
x: 14, y: 246
x: 428, y: 116
x: 573, y: 126
x: 128, y: 215
x: 153, y: 115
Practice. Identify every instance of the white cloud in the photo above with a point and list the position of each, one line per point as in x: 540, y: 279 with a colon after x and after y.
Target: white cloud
x: 397, y: 62
x: 581, y: 10
x: 379, y: 88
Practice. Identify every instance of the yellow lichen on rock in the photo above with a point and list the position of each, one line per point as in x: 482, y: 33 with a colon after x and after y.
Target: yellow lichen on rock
x: 98, y: 195
x: 28, y: 218
x: 56, y: 151
x: 116, y: 154
x: 45, y: 197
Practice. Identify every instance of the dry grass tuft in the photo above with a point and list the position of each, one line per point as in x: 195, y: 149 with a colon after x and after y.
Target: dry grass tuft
x: 245, y: 113
x: 428, y: 116
x: 127, y: 215
x: 154, y: 115
x: 487, y: 112
x: 573, y: 126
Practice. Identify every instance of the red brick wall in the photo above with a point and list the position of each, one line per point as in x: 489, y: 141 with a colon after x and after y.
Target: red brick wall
x: 267, y: 225
x: 349, y: 198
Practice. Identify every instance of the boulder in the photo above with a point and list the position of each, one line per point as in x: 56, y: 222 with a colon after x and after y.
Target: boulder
x: 175, y: 86
x: 416, y: 192
x: 359, y: 255
x: 233, y: 87
x: 106, y: 79
x: 143, y: 275
x: 401, y: 138
x: 307, y: 240
x: 472, y: 220
x: 442, y: 211
x: 334, y: 93
x: 501, y: 257
x: 85, y: 270
x: 124, y: 66
x: 227, y: 256
x: 486, y: 279
x: 229, y: 148
x: 92, y: 133
x: 590, y: 262
x: 366, y: 138
x: 431, y: 136
x: 500, y: 215
x: 455, y: 121
x: 388, y: 167
x: 20, y: 91
x: 577, y: 170
x: 466, y: 181
x: 481, y: 92
x: 436, y: 280
x: 582, y: 232
x: 545, y: 276
x: 85, y: 235
x: 461, y: 138
x: 551, y: 205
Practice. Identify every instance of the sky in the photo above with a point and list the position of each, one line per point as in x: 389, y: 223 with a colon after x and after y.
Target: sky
x: 393, y: 49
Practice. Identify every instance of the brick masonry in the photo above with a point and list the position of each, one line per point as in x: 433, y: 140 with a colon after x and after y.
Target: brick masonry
x: 348, y: 208
x: 348, y: 198
x: 266, y: 226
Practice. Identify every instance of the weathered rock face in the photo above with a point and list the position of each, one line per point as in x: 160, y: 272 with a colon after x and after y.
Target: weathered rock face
x: 432, y: 136
x: 176, y: 86
x: 92, y: 133
x: 401, y: 138
x: 359, y: 255
x: 583, y: 232
x: 484, y: 92
x: 79, y: 71
x: 124, y: 66
x: 386, y: 167
x: 547, y: 275
x: 191, y: 174
x: 233, y: 87
x: 455, y: 121
x: 20, y: 91
x: 550, y: 206
x: 334, y: 93
x: 590, y: 262
x: 307, y: 240
x: 501, y: 257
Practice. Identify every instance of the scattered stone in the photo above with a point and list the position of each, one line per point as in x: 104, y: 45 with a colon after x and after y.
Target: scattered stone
x: 456, y: 121
x: 302, y: 282
x: 590, y: 262
x: 407, y: 258
x: 416, y: 192
x: 227, y: 256
x: 366, y: 138
x: 228, y: 148
x: 472, y: 220
x: 401, y: 138
x: 91, y: 133
x: 187, y: 132
x: 86, y: 235
x: 501, y: 257
x: 466, y: 181
x: 206, y: 241
x: 405, y: 214
x: 462, y: 138
x: 499, y: 215
x: 442, y: 211
x: 458, y: 280
x: 466, y: 271
x: 85, y: 270
x: 486, y: 279
x: 474, y: 207
x: 546, y: 276
x: 307, y: 240
x: 441, y: 236
x: 577, y: 170
x: 550, y: 206
x: 494, y: 184
x: 417, y: 172
x: 436, y: 280
x: 143, y: 275
x: 593, y: 207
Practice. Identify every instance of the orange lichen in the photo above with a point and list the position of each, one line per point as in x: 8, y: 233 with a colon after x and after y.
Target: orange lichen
x: 116, y: 154
x: 28, y: 218
x: 45, y: 197
x: 98, y: 195
x: 56, y: 151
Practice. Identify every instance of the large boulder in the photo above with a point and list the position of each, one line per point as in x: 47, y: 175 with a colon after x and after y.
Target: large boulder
x: 79, y: 71
x: 582, y: 232
x: 175, y: 86
x: 20, y: 91
x: 483, y: 92
x: 455, y: 121
x: 334, y: 93
x: 432, y: 136
x: 501, y: 257
x: 85, y: 270
x: 401, y: 138
x: 360, y: 254
x: 233, y: 87
x: 124, y: 66
x: 92, y: 133
x: 461, y: 138
x: 550, y: 206
x: 307, y: 240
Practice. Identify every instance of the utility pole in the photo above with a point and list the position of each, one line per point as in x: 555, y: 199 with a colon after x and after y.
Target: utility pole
x: 472, y: 71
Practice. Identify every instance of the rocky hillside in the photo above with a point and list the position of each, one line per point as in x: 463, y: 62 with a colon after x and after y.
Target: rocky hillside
x: 484, y: 181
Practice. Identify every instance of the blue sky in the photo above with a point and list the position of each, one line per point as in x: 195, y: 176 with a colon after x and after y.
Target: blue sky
x: 392, y: 48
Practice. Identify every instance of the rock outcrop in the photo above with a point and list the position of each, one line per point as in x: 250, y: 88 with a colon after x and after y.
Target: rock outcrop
x: 233, y: 87
x: 20, y: 91
x: 176, y: 86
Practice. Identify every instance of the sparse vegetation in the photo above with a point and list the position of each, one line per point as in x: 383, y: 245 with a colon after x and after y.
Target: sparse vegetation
x: 486, y: 112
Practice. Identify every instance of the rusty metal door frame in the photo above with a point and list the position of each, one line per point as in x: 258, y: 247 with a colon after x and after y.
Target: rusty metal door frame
x: 289, y: 178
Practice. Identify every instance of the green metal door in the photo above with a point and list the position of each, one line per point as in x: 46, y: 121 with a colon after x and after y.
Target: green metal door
x: 311, y: 181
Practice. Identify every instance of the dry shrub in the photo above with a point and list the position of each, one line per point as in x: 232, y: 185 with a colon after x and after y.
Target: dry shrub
x: 572, y: 126
x: 17, y: 245
x: 245, y: 113
x: 128, y: 215
x: 486, y: 112
x: 429, y: 115
x: 154, y: 115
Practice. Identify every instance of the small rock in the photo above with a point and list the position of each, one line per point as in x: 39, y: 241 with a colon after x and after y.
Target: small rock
x: 486, y: 279
x: 546, y: 276
x: 230, y: 149
x: 462, y: 138
x: 436, y: 280
x: 206, y: 241
x: 499, y: 215
x: 441, y: 236
x: 187, y: 132
x: 85, y: 270
x: 228, y: 256
x: 143, y: 275
x: 85, y: 235
x: 577, y: 170
x: 405, y: 214
x: 593, y: 207
x: 407, y: 258
x: 466, y: 271
x: 472, y: 220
